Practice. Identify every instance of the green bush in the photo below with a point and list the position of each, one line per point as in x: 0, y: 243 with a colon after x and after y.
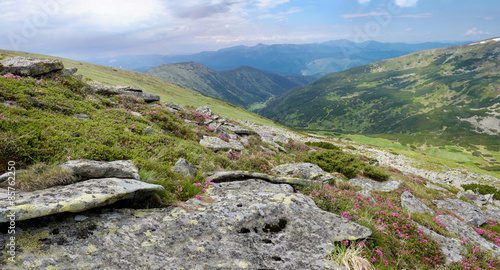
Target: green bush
x: 347, y: 164
x: 483, y: 189
x: 324, y: 145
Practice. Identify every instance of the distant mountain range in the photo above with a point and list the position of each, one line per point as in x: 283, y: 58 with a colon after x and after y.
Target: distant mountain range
x: 244, y: 86
x: 450, y: 93
x: 292, y: 59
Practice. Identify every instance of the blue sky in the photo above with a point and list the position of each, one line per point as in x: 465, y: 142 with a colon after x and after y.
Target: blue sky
x: 101, y: 28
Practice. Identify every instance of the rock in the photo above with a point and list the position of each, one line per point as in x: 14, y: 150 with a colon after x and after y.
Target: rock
x: 204, y: 110
x: 281, y: 139
x: 267, y: 150
x: 62, y: 72
x: 492, y: 212
x: 470, y: 213
x: 89, y: 169
x: 9, y: 103
x: 245, y: 132
x: 102, y: 89
x: 462, y: 230
x: 184, y: 167
x: 413, y: 205
x: 27, y: 66
x: 431, y: 186
x: 76, y: 197
x: 218, y: 144
x: 302, y: 170
x: 4, y: 177
x: 478, y: 199
x: 136, y: 114
x: 81, y: 116
x: 452, y: 248
x: 137, y: 92
x: 249, y: 224
x: 80, y: 217
x: 371, y: 185
x: 230, y: 176
x: 148, y: 130
x: 175, y: 107
x: 222, y: 132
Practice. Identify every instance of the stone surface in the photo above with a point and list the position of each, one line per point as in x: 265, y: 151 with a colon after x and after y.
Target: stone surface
x: 6, y: 176
x: 245, y: 132
x: 137, y: 92
x: 452, y: 248
x: 432, y: 186
x: 219, y: 144
x: 371, y: 185
x: 149, y: 130
x: 88, y: 169
x: 220, y: 177
x: 204, y: 110
x: 184, y: 167
x: 413, y: 205
x: 492, y: 212
x: 81, y: 116
x: 102, y: 89
x: 462, y: 230
x: 73, y: 198
x: 281, y: 139
x: 477, y: 199
x: 27, y: 66
x: 175, y: 106
x: 240, y: 225
x: 302, y: 170
x: 470, y: 213
x: 62, y: 72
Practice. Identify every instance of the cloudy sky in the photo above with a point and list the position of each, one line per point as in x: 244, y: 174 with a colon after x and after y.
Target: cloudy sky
x: 100, y: 28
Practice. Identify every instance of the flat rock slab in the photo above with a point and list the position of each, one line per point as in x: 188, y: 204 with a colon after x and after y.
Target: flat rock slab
x: 72, y: 198
x: 89, y: 169
x: 219, y: 144
x: 462, y: 230
x: 372, y: 185
x: 452, y: 248
x: 302, y: 170
x: 27, y: 66
x: 232, y: 176
x: 240, y: 225
x: 470, y: 213
x: 413, y: 205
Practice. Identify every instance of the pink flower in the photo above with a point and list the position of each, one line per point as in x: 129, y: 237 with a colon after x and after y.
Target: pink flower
x: 68, y: 157
x: 150, y: 147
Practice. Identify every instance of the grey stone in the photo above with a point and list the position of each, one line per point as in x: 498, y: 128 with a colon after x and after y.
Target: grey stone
x: 222, y: 132
x: 80, y: 218
x: 462, y: 230
x: 431, y: 186
x: 137, y: 92
x: 102, y: 89
x: 27, y: 66
x: 149, y: 130
x: 478, y: 199
x: 89, y: 169
x: 184, y: 167
x: 175, y: 107
x: 230, y: 176
x: 267, y: 150
x: 302, y: 170
x: 452, y: 248
x: 372, y: 185
x: 136, y: 114
x: 75, y: 197
x: 470, y: 213
x: 204, y: 110
x: 81, y: 116
x: 281, y: 138
x: 413, y: 205
x: 492, y: 212
x: 62, y: 72
x: 245, y: 132
x: 219, y: 144
x: 4, y: 177
x: 248, y: 224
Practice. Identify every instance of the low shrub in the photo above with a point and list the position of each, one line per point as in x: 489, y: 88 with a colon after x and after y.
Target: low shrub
x: 324, y: 145
x: 483, y: 189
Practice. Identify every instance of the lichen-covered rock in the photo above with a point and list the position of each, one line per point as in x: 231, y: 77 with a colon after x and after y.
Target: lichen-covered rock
x: 371, y: 185
x: 221, y: 177
x: 219, y: 144
x: 492, y: 212
x: 245, y: 132
x: 240, y: 225
x: 184, y: 167
x: 462, y: 230
x: 470, y: 213
x: 204, y: 110
x: 137, y: 92
x: 62, y: 72
x: 413, y: 205
x: 175, y: 107
x: 281, y: 139
x: 452, y: 248
x: 72, y: 198
x: 89, y: 169
x: 102, y: 89
x: 27, y: 66
x: 302, y: 170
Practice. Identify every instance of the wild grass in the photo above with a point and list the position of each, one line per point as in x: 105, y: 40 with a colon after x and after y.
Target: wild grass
x: 42, y: 176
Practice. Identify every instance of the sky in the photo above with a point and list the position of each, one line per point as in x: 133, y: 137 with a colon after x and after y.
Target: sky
x: 106, y: 28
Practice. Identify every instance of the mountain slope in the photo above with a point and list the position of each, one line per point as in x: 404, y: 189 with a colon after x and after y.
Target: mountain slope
x: 242, y: 86
x: 167, y: 91
x: 451, y: 92
x: 294, y: 59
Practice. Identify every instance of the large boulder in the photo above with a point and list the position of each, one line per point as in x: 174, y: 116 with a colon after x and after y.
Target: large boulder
x: 413, y: 205
x: 174, y: 107
x: 72, y: 198
x: 248, y: 224
x: 27, y: 66
x: 302, y: 170
x: 184, y: 167
x: 372, y: 185
x: 204, y: 110
x: 137, y: 92
x: 217, y: 144
x: 470, y: 213
x: 89, y: 169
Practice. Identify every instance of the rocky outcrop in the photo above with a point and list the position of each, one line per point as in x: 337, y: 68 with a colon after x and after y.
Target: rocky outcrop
x: 452, y: 248
x: 413, y: 205
x: 248, y: 224
x: 217, y: 144
x: 184, y: 167
x: 230, y: 176
x: 372, y: 185
x: 27, y: 66
x: 89, y: 169
x: 72, y: 198
x: 470, y: 213
x: 302, y: 170
x: 464, y: 231
x: 204, y: 110
x: 81, y: 116
x: 174, y: 107
x: 123, y: 90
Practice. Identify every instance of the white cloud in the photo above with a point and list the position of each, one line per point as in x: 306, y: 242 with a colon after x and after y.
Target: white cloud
x: 475, y: 32
x: 406, y: 3
x: 279, y: 16
x: 358, y: 15
x: 266, y: 4
x: 364, y: 1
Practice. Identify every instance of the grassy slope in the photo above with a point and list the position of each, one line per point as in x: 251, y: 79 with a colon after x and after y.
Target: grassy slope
x: 167, y: 91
